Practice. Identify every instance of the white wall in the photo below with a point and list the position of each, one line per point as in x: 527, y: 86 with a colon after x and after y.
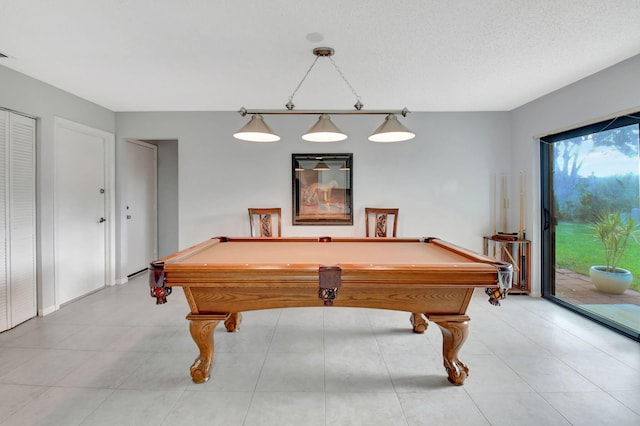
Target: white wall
x: 26, y: 95
x: 592, y: 99
x: 441, y: 180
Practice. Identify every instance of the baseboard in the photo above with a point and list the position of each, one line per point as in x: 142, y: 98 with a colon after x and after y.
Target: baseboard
x: 46, y: 311
x: 123, y: 280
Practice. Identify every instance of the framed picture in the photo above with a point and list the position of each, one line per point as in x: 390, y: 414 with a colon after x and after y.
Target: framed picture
x: 322, y: 189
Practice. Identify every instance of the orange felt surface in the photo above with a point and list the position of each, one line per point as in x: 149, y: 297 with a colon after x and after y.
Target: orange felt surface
x: 367, y: 254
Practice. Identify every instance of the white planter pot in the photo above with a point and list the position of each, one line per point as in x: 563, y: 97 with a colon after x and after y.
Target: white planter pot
x: 610, y: 282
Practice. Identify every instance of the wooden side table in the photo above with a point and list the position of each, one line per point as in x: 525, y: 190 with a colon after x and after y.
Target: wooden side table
x: 515, y: 251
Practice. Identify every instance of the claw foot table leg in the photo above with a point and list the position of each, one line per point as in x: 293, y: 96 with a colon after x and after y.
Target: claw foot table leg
x: 418, y: 322
x: 455, y: 329
x: 232, y: 323
x: 201, y: 328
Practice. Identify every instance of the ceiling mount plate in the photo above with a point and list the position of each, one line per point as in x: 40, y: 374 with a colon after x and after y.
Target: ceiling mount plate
x: 323, y: 51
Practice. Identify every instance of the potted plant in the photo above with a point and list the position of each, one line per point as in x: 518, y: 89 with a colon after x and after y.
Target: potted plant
x: 614, y: 232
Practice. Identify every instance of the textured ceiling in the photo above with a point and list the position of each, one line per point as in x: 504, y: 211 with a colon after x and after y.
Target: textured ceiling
x: 219, y: 55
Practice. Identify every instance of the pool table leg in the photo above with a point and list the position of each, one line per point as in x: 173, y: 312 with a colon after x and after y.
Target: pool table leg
x: 201, y: 328
x: 455, y: 329
x: 233, y: 322
x: 418, y: 322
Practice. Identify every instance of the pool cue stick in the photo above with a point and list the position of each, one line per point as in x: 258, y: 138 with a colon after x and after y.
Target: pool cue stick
x: 524, y: 204
x: 505, y: 203
x: 494, y: 207
x: 513, y: 262
x: 524, y: 280
x: 520, y: 206
x: 494, y: 212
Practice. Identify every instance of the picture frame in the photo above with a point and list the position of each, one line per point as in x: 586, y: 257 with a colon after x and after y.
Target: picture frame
x: 322, y: 189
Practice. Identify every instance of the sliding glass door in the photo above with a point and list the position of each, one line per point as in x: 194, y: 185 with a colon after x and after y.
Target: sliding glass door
x: 590, y: 183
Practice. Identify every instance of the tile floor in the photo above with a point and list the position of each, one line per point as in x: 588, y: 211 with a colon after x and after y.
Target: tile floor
x: 115, y: 358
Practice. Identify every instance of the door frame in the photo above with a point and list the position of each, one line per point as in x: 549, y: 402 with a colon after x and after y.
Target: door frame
x: 549, y: 219
x: 110, y: 212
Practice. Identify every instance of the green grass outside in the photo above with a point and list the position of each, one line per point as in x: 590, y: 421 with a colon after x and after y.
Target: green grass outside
x: 577, y: 249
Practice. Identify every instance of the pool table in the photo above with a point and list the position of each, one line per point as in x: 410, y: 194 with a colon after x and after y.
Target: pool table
x: 427, y: 277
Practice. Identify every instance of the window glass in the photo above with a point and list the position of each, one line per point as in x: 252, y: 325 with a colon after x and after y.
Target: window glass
x: 591, y: 202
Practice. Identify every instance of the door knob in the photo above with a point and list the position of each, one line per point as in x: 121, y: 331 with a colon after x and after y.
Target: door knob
x: 102, y: 219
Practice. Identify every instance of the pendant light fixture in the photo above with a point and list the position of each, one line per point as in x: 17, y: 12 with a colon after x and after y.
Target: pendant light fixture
x: 391, y: 131
x: 324, y: 130
x: 256, y: 130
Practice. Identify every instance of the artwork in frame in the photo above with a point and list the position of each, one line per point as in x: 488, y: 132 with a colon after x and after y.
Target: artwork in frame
x: 322, y: 189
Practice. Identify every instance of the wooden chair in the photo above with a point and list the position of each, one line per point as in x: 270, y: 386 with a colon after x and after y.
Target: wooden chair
x: 264, y: 224
x: 384, y: 222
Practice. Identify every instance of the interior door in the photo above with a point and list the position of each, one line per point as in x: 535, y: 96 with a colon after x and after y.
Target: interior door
x: 17, y: 219
x: 80, y: 212
x: 141, y: 207
x: 22, y: 218
x: 4, y: 279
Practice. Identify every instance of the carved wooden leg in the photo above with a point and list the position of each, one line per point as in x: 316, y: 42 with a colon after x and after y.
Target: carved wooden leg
x: 201, y: 328
x: 233, y: 322
x: 418, y: 322
x: 455, y: 329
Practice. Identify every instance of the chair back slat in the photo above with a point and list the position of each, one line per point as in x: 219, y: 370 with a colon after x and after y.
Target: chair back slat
x: 265, y: 222
x: 384, y: 222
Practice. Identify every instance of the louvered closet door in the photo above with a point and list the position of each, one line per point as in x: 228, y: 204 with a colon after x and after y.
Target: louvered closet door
x: 17, y: 219
x: 22, y: 218
x: 4, y: 281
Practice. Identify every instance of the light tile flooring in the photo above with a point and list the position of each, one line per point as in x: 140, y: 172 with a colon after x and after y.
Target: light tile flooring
x: 115, y: 358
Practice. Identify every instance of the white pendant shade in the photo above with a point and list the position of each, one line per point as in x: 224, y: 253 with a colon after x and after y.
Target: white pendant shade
x: 324, y: 131
x: 256, y: 130
x: 391, y: 131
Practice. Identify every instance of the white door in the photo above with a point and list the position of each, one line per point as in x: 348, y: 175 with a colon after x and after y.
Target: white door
x: 141, y: 207
x: 4, y: 271
x: 22, y: 218
x: 17, y: 219
x: 81, y: 227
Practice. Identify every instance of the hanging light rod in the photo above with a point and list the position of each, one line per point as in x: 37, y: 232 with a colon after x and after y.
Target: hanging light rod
x: 243, y: 112
x: 391, y: 130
